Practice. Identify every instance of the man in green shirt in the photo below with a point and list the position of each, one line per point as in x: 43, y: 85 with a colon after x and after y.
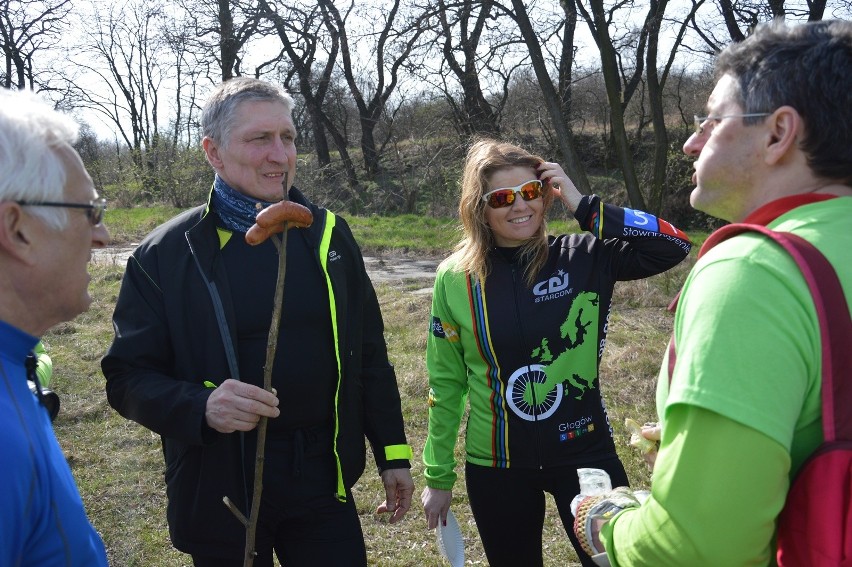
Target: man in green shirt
x: 742, y: 410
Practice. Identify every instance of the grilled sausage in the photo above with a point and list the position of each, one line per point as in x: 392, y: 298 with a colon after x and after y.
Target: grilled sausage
x: 271, y: 220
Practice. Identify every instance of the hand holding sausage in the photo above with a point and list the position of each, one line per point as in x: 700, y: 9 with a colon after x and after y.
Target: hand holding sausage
x: 271, y: 220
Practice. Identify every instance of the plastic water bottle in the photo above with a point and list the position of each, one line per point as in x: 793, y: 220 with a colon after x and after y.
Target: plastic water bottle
x: 592, y: 483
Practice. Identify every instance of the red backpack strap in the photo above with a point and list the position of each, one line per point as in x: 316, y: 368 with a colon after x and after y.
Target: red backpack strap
x: 834, y: 321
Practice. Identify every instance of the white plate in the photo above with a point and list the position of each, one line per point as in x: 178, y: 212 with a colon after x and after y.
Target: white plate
x: 450, y: 541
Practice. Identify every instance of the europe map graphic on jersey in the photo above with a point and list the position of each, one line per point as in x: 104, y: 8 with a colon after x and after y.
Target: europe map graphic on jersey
x: 576, y: 363
x: 568, y: 368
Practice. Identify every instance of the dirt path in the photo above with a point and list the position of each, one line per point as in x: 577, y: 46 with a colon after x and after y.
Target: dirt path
x: 380, y: 268
x: 399, y: 268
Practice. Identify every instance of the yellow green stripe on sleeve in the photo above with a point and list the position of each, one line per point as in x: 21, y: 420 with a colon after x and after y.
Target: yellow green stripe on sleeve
x: 396, y: 452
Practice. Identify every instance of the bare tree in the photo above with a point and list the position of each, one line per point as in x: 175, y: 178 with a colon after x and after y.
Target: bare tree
x: 123, y: 51
x: 312, y: 45
x: 567, y: 52
x: 222, y: 30
x: 656, y: 80
x: 739, y: 17
x: 620, y: 86
x: 230, y: 38
x: 312, y: 52
x: 395, y: 37
x: 460, y: 30
x: 181, y: 166
x: 28, y: 27
x: 187, y: 72
x: 556, y: 98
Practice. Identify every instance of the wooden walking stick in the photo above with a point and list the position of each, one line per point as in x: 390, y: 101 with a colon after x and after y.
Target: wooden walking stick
x: 275, y: 218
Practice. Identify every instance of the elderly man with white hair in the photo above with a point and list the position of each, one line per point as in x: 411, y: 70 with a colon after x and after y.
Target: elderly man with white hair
x: 50, y: 219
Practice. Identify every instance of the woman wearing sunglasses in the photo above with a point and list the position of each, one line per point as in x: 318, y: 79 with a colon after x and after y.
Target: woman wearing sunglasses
x: 519, y: 321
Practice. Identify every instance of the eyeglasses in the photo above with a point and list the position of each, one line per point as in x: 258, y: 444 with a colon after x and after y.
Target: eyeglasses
x: 94, y: 209
x: 505, y: 196
x: 700, y: 120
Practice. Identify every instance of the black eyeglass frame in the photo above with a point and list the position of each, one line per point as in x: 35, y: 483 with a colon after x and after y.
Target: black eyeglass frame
x: 94, y: 209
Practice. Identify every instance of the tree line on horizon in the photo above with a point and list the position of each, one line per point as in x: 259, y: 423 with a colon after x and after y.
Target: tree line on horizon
x: 390, y: 92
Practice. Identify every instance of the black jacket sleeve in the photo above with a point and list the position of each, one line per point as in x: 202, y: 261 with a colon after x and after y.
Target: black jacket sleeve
x: 640, y: 243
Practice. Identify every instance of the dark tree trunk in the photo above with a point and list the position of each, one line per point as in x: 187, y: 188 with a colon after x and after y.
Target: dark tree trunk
x: 553, y: 101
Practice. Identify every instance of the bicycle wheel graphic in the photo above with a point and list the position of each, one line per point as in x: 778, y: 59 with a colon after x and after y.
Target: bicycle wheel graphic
x: 519, y: 394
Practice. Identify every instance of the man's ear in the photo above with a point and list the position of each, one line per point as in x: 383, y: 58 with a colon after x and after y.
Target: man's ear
x: 785, y: 127
x: 16, y: 231
x: 211, y: 149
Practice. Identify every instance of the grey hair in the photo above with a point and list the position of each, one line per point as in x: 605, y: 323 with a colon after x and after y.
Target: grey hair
x: 805, y: 66
x: 31, y: 168
x: 220, y: 110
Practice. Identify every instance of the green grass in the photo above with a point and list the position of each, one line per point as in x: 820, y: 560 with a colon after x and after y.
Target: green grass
x: 405, y: 234
x: 401, y: 234
x: 128, y: 226
x: 119, y: 466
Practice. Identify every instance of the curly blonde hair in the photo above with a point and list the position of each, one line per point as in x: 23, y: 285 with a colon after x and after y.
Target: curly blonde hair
x: 484, y: 158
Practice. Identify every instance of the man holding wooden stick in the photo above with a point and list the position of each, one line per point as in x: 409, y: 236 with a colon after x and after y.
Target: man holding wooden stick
x: 191, y: 327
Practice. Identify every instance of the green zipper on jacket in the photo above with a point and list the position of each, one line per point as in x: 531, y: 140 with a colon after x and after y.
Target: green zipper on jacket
x: 330, y: 221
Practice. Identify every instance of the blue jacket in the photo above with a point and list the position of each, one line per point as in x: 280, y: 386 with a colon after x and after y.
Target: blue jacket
x: 42, y: 519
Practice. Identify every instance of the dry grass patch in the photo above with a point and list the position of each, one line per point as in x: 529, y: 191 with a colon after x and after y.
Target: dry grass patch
x: 119, y: 466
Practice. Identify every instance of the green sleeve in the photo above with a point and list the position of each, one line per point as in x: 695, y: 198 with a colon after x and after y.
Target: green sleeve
x: 447, y: 389
x: 748, y: 343
x: 44, y: 370
x: 717, y: 489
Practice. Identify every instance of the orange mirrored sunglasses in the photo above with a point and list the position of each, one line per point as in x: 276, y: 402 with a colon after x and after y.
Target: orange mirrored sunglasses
x: 505, y: 196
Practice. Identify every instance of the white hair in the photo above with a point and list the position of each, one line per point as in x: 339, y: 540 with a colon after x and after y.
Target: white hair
x: 31, y: 169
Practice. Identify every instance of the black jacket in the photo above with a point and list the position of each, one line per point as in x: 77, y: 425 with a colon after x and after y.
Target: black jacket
x: 174, y: 329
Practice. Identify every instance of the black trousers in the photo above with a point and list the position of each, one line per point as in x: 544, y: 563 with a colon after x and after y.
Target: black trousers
x: 301, y: 521
x: 509, y: 507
